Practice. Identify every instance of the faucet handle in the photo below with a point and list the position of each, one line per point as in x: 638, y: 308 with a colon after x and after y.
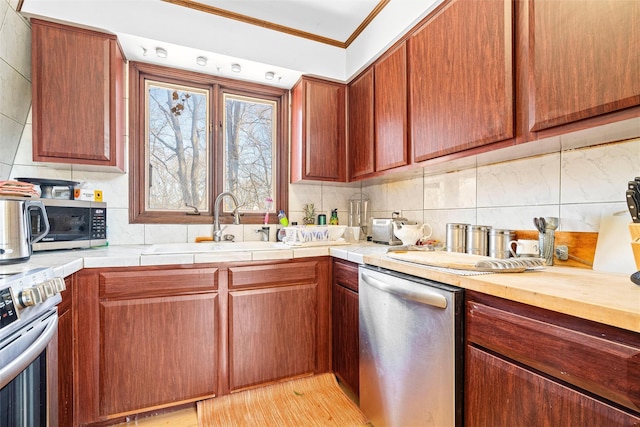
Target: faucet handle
x: 219, y: 232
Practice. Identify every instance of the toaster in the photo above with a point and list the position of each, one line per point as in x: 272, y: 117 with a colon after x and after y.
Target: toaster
x: 382, y: 230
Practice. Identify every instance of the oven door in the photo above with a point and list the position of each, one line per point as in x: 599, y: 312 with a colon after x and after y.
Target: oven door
x: 27, y: 375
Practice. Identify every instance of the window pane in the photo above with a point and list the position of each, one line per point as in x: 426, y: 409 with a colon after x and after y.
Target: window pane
x: 249, y: 151
x: 177, y: 147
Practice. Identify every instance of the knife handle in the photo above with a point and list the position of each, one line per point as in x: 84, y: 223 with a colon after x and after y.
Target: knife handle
x: 633, y: 205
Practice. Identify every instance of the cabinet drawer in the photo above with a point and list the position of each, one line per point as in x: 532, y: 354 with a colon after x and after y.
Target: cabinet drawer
x: 130, y: 284
x: 345, y: 274
x: 289, y: 273
x: 587, y: 360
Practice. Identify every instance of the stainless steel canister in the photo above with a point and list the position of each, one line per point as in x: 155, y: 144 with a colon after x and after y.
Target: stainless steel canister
x: 499, y: 242
x: 456, y: 237
x: 477, y: 239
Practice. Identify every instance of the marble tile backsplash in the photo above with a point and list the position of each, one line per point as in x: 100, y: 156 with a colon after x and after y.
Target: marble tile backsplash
x: 579, y: 186
x: 15, y: 82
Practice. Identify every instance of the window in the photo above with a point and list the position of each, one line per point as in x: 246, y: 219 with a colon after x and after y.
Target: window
x: 249, y: 151
x: 193, y: 136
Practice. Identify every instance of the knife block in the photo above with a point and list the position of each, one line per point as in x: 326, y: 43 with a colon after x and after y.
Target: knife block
x: 634, y: 229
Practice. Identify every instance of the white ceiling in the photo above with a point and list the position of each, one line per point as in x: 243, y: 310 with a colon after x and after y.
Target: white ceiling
x: 287, y: 37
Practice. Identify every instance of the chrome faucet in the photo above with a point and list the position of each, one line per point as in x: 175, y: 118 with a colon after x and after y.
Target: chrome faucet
x: 217, y: 232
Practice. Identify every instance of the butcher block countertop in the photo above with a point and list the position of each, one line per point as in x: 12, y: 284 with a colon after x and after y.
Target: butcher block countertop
x: 601, y: 297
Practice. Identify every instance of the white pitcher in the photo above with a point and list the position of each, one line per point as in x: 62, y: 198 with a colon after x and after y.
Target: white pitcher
x: 410, y: 233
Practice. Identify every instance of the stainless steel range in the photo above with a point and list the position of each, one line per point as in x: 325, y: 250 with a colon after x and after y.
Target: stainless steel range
x: 28, y: 326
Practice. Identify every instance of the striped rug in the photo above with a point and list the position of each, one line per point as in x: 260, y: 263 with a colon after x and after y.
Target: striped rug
x: 310, y: 401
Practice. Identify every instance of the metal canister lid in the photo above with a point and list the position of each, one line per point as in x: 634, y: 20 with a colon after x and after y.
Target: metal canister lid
x: 452, y: 225
x: 497, y: 231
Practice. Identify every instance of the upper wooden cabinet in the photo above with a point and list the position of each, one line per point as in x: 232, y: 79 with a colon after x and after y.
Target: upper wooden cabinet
x: 361, y: 131
x: 318, y: 133
x: 78, y: 96
x: 391, y: 110
x: 461, y: 78
x: 581, y: 58
x: 378, y: 116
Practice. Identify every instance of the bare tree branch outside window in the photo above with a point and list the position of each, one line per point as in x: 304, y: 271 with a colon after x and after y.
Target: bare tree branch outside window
x: 177, y: 149
x: 249, y: 151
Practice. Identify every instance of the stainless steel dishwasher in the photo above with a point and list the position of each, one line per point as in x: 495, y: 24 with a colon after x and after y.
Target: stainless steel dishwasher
x: 411, y: 365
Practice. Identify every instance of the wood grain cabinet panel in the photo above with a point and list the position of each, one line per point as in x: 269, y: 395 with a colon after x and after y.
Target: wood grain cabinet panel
x: 279, y: 321
x: 583, y: 59
x: 78, y: 96
x: 391, y: 110
x: 148, y: 338
x: 65, y: 355
x: 503, y: 394
x: 461, y: 78
x: 157, y: 351
x: 361, y: 126
x: 272, y: 334
x: 318, y: 131
x: 544, y: 368
x: 345, y: 341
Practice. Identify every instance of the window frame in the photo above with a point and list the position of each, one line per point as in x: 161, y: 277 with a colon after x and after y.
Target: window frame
x: 138, y: 74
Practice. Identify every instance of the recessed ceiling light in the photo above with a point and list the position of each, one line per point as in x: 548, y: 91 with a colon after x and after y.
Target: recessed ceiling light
x: 236, y: 68
x: 201, y: 60
x: 161, y: 52
x: 269, y: 75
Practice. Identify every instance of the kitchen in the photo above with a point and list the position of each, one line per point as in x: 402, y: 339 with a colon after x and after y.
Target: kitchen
x: 575, y: 177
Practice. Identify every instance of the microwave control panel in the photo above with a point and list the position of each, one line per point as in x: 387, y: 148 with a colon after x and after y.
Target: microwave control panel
x: 98, y: 223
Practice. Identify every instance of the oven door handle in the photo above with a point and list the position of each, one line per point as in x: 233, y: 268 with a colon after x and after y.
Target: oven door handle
x: 17, y: 356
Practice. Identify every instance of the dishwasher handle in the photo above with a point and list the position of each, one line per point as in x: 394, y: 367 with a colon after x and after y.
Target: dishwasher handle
x: 421, y: 294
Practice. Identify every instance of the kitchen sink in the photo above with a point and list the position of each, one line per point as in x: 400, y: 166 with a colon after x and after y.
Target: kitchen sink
x: 192, y: 248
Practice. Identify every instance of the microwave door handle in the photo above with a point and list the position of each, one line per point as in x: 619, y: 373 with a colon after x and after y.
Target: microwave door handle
x: 31, y: 353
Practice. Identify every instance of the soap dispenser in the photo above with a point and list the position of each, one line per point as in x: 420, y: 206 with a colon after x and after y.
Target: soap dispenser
x: 334, y: 217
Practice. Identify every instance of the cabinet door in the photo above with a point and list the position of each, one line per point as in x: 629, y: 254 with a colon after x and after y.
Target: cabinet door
x: 157, y: 351
x: 279, y: 321
x: 346, y: 349
x: 318, y: 131
x: 460, y: 78
x: 499, y: 393
x: 584, y: 59
x: 391, y: 110
x: 272, y: 334
x: 361, y: 133
x: 78, y: 96
x: 148, y: 338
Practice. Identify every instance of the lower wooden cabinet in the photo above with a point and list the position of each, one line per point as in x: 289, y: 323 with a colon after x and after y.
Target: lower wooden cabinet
x: 533, y: 367
x: 501, y: 393
x: 344, y: 325
x: 276, y: 325
x: 147, y: 339
x: 65, y: 355
x: 157, y: 337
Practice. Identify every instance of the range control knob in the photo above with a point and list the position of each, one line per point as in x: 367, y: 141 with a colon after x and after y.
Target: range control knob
x: 59, y: 284
x: 29, y: 297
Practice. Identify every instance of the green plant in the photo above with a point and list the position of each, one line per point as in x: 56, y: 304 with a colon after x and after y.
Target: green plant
x: 309, y: 213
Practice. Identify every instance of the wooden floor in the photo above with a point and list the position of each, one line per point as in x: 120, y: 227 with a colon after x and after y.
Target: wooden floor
x: 182, y: 418
x: 189, y: 417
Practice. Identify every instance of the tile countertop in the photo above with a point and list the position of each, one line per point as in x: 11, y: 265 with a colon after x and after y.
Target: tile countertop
x: 601, y: 297
x: 67, y: 262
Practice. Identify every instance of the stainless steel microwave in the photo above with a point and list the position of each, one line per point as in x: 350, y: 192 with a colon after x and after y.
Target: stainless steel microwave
x: 72, y: 224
